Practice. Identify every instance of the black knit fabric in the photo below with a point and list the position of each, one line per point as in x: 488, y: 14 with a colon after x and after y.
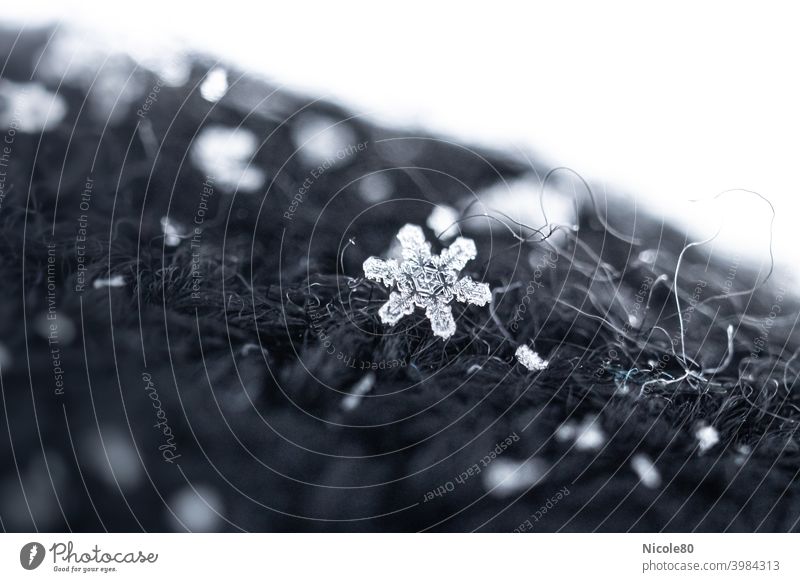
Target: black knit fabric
x: 251, y: 363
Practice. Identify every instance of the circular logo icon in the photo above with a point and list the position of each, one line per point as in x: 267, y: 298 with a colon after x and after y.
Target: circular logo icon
x: 31, y: 555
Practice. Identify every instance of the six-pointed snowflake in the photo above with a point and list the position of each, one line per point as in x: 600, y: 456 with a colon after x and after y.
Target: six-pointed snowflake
x: 427, y: 281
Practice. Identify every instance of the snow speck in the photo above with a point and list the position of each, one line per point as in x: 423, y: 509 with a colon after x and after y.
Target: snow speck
x: 530, y: 359
x: 707, y: 436
x: 375, y: 188
x: 197, y: 509
x: 588, y: 435
x: 363, y: 386
x: 320, y: 139
x: 225, y: 155
x: 442, y: 221
x: 172, y: 232
x: 113, y: 281
x: 647, y: 472
x: 29, y: 107
x: 215, y: 85
x: 505, y: 477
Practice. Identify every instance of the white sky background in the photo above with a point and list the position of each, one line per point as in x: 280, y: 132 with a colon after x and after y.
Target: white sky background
x: 667, y: 104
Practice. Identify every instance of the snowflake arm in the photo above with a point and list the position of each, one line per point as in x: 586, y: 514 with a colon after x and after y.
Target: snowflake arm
x: 393, y: 310
x: 415, y: 247
x: 385, y: 272
x: 470, y: 292
x: 458, y: 254
x: 441, y: 317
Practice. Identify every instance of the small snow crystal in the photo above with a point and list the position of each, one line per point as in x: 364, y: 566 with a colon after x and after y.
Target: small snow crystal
x: 530, y: 359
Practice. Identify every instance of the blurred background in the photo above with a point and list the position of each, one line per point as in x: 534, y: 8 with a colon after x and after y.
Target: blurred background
x: 669, y: 105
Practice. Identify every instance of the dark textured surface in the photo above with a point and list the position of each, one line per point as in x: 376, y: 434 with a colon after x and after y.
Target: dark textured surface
x: 253, y: 396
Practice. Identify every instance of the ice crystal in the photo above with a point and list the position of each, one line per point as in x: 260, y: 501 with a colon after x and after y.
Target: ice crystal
x: 530, y: 359
x: 427, y: 281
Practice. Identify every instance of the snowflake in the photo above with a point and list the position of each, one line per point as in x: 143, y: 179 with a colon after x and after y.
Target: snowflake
x: 427, y: 281
x: 530, y: 359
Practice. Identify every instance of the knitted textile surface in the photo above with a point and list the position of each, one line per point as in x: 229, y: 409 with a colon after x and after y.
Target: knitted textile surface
x: 189, y: 340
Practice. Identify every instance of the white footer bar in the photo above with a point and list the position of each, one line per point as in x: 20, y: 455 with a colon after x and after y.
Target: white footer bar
x: 401, y: 557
